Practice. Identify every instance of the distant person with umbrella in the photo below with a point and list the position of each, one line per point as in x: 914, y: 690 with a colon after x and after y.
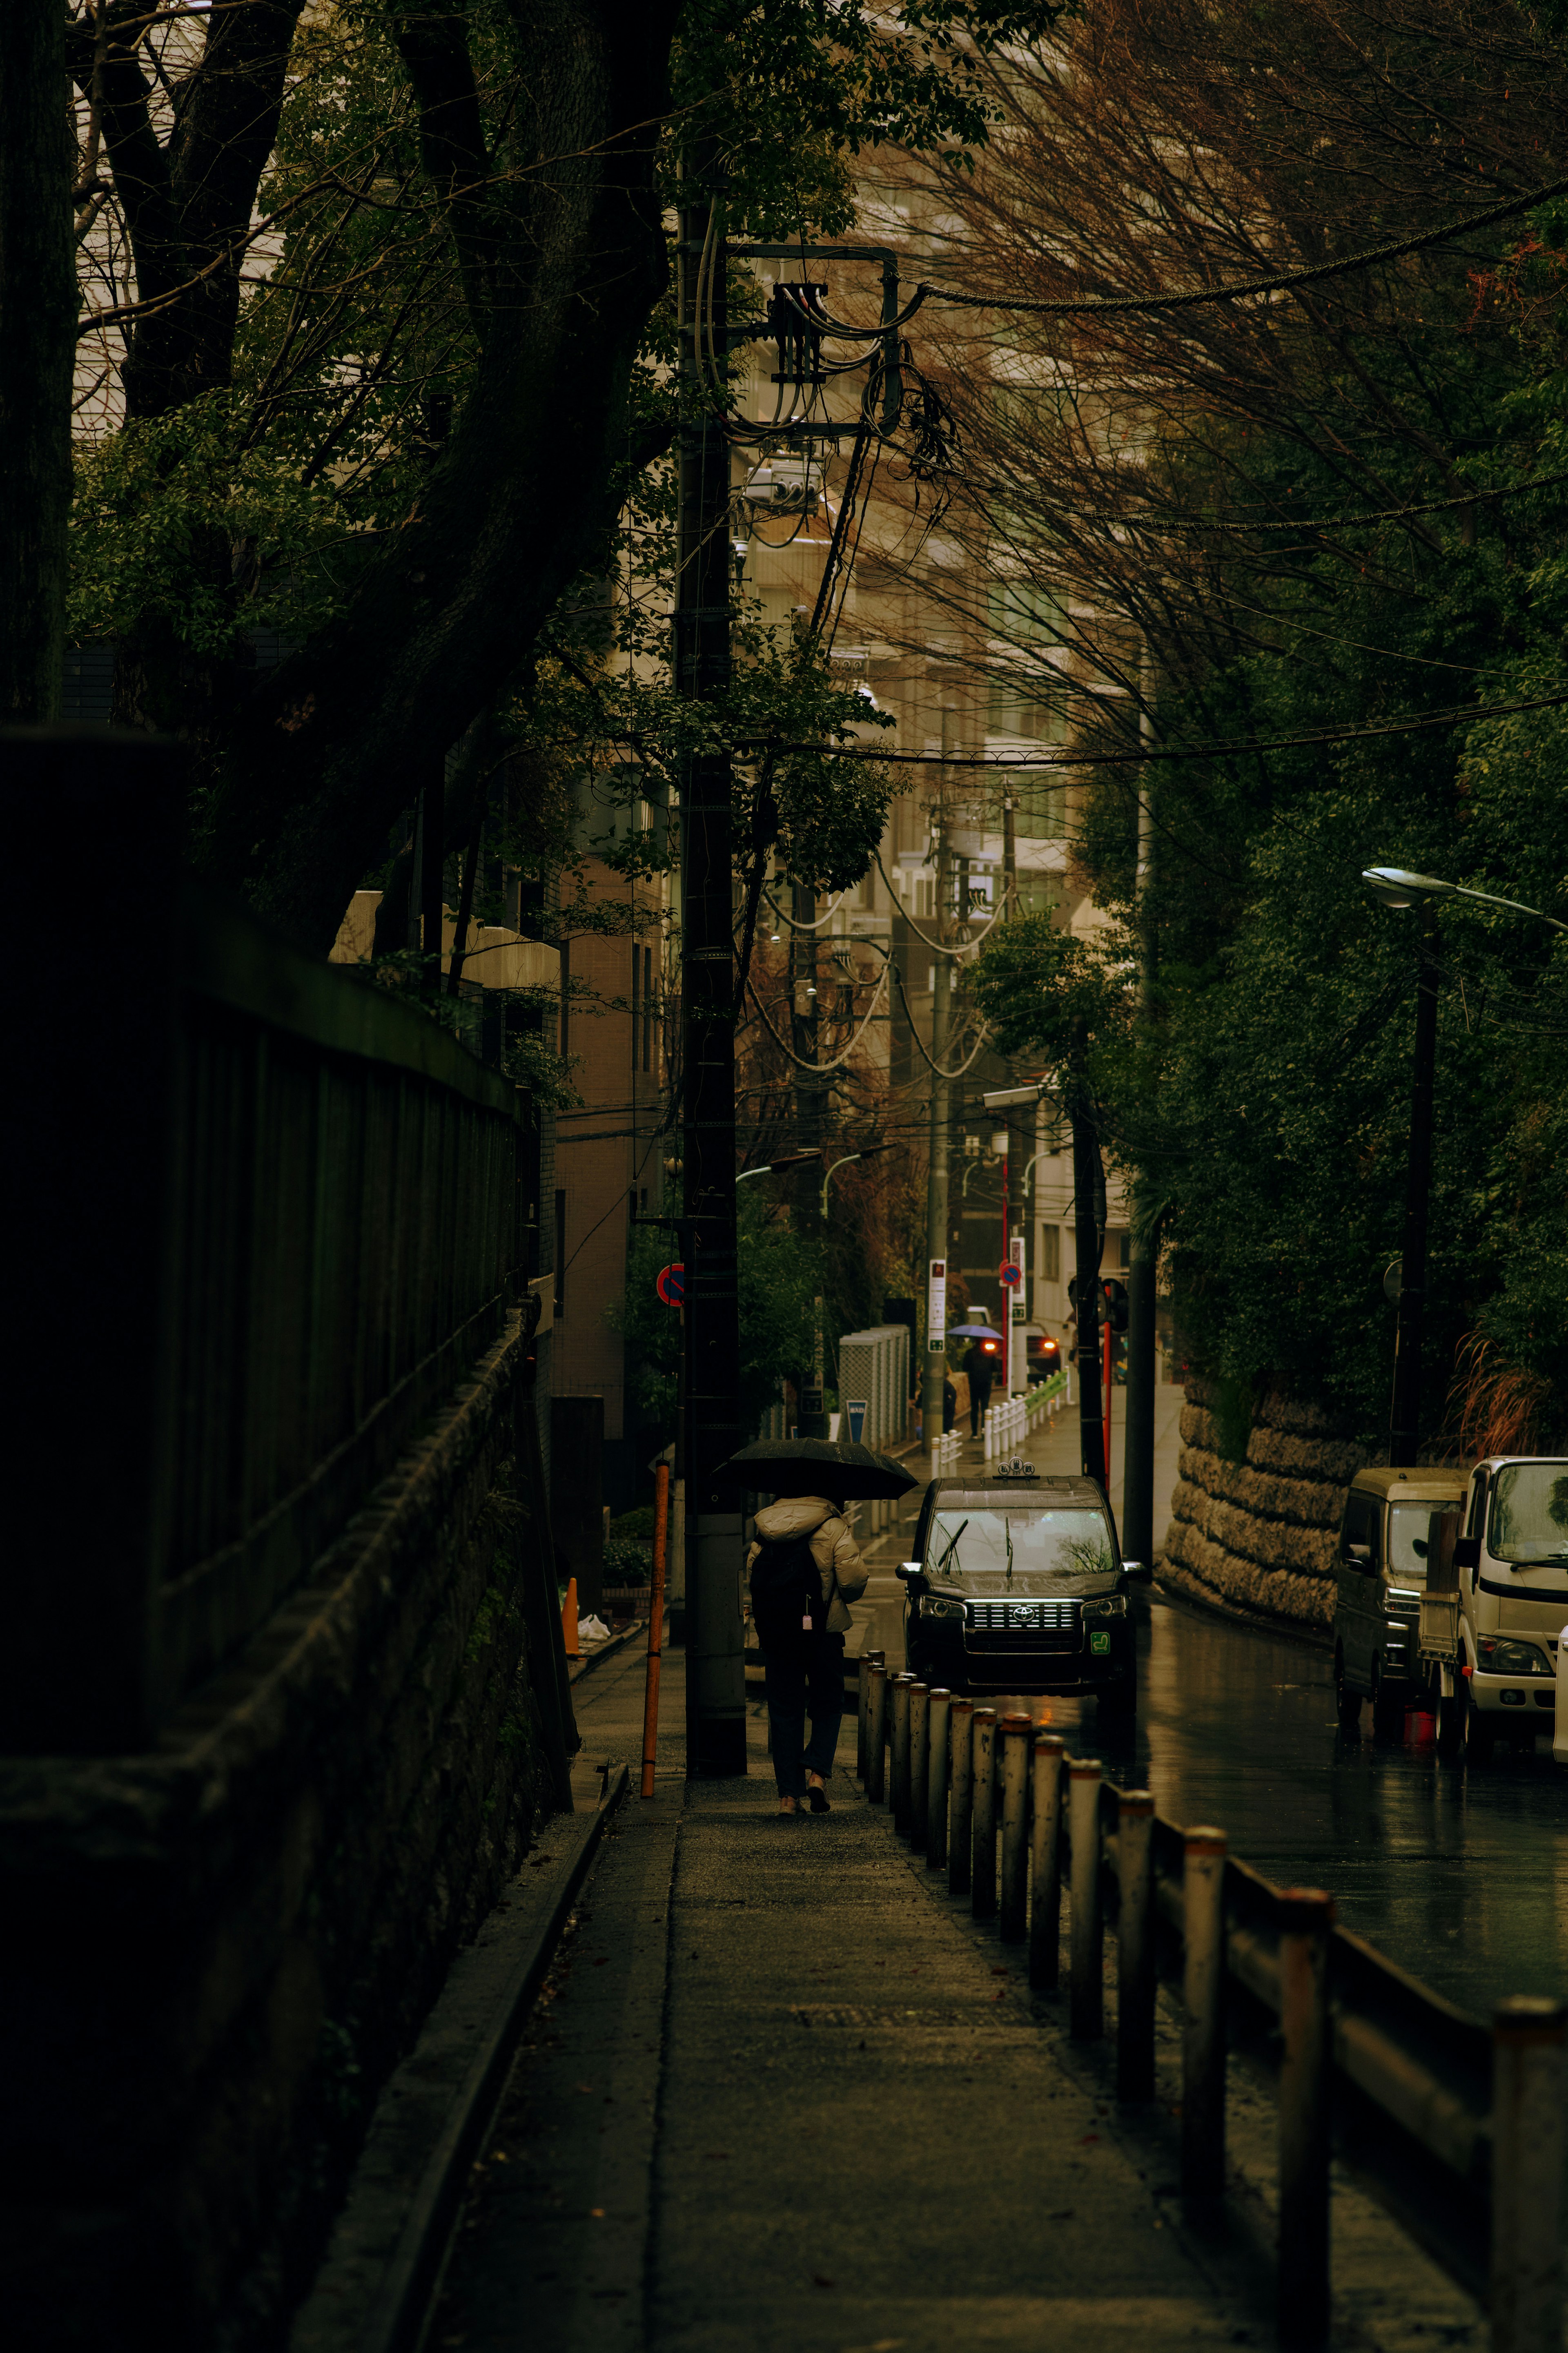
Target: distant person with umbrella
x: 980, y: 1364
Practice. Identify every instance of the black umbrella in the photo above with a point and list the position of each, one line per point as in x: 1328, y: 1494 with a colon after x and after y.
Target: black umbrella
x: 815, y: 1466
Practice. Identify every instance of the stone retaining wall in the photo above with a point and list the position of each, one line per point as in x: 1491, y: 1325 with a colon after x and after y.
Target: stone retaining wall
x: 218, y: 1950
x: 1259, y: 1536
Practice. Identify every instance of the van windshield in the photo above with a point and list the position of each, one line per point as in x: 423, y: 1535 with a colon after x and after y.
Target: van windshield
x: 1020, y: 1552
x: 1530, y: 1512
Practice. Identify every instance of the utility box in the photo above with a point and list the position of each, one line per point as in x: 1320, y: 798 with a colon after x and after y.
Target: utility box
x: 875, y: 1366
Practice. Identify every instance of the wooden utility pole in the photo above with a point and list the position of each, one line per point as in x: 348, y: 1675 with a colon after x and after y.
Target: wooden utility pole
x: 711, y: 1425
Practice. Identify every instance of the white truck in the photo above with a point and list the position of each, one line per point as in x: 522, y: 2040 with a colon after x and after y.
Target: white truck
x: 1495, y: 1601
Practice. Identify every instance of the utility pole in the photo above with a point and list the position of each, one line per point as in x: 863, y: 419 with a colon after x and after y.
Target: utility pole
x: 715, y: 1679
x: 937, y: 1142
x: 1089, y: 1237
x: 1404, y: 1421
x: 1137, y: 1445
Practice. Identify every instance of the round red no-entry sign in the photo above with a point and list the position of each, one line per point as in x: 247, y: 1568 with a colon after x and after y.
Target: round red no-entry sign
x: 671, y: 1285
x: 1012, y: 1276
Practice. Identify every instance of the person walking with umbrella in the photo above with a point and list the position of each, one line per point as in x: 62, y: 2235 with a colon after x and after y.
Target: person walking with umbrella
x: 804, y: 1568
x: 981, y: 1364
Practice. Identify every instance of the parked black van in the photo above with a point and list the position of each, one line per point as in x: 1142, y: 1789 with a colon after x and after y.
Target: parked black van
x: 1015, y: 1584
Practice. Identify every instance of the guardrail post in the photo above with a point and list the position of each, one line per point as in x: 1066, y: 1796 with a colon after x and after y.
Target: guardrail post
x: 1301, y: 2284
x: 1085, y: 2004
x: 1526, y: 2174
x: 936, y: 1790
x: 1135, y: 1945
x: 920, y: 1762
x: 1016, y: 1730
x: 982, y: 1844
x: 961, y: 1740
x: 1045, y: 1861
x: 902, y: 1686
x: 876, y: 1733
x: 862, y: 1686
x: 1203, y: 2024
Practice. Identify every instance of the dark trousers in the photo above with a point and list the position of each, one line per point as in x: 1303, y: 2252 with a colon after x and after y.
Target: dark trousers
x: 810, y: 1679
x: 979, y: 1399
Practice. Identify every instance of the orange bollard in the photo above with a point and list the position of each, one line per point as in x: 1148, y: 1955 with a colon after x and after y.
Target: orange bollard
x: 569, y: 1620
x: 654, y: 1626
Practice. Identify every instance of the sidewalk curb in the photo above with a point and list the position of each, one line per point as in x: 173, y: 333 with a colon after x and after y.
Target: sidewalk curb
x: 577, y: 1668
x: 378, y: 2279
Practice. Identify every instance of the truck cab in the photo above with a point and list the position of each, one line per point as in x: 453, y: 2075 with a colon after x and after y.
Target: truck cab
x: 1380, y: 1568
x: 1510, y: 1576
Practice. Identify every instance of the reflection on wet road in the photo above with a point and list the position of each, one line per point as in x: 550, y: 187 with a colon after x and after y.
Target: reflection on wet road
x: 1457, y: 1872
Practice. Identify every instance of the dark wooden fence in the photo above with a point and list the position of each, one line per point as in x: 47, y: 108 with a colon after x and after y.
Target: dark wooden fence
x: 268, y: 1216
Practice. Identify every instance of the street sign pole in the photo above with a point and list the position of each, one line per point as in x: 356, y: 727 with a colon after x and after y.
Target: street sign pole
x: 936, y: 1154
x: 715, y: 1673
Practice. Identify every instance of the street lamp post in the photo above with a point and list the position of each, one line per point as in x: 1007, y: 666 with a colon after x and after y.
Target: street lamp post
x: 1396, y: 887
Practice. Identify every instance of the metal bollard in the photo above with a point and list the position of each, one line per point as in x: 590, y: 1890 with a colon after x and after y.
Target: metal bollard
x: 920, y: 1762
x: 961, y: 1773
x: 983, y: 1838
x: 862, y: 1681
x: 902, y: 1686
x: 1203, y: 2023
x: 1046, y: 1912
x: 1016, y: 1731
x: 1135, y: 1945
x: 876, y: 1733
x: 1087, y: 1985
x: 1301, y: 2279
x: 936, y: 1791
x: 1526, y: 2174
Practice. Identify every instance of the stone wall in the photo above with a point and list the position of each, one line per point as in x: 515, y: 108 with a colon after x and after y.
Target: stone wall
x: 1259, y: 1535
x: 216, y: 1951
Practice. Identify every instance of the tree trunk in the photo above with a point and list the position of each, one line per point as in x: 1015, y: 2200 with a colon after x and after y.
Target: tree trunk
x: 327, y: 748
x: 37, y: 350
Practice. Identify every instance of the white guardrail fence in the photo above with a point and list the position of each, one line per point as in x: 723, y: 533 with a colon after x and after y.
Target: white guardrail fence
x: 1455, y: 2127
x: 1007, y: 1424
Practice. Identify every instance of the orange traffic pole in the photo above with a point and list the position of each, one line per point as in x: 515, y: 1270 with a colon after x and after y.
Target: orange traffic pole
x: 654, y: 1626
x: 569, y: 1620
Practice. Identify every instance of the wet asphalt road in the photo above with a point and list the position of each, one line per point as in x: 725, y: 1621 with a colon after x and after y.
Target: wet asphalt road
x: 1457, y: 1872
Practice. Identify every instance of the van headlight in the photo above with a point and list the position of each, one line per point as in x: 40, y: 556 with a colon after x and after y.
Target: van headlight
x: 1112, y: 1605
x: 1511, y: 1658
x: 937, y: 1605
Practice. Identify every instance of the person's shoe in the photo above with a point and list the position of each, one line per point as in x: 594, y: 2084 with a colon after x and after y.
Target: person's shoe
x: 788, y: 1809
x: 818, y: 1797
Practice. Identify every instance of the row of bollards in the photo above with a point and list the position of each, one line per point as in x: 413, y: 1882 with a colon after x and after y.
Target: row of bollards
x: 961, y: 1781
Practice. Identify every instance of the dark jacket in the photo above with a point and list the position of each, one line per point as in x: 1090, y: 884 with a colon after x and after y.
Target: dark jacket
x: 981, y: 1369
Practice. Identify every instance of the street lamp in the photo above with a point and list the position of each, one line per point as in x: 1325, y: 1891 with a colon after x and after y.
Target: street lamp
x: 864, y: 1153
x: 786, y: 1160
x: 1397, y: 887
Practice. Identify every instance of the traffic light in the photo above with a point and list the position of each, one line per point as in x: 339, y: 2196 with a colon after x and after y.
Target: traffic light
x: 1115, y: 1302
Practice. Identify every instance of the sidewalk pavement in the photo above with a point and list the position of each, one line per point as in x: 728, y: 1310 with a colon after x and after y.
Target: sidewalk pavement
x: 783, y: 2094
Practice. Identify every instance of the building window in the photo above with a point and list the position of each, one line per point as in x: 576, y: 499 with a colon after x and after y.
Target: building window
x: 1050, y: 1253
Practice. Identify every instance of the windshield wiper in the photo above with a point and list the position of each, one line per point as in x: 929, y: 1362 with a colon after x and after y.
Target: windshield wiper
x: 947, y: 1555
x: 1007, y: 1533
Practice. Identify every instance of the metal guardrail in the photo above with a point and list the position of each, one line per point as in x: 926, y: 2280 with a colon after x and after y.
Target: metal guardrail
x: 1456, y: 2129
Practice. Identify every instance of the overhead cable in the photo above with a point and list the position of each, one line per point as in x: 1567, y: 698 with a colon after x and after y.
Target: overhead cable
x: 1094, y: 305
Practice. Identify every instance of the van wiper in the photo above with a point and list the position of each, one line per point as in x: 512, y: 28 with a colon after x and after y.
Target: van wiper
x: 947, y: 1555
x: 1007, y: 1533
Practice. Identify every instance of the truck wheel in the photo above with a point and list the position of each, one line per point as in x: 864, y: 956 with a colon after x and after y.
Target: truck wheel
x: 1479, y: 1739
x: 1387, y: 1707
x: 1347, y: 1703
x: 1450, y: 1717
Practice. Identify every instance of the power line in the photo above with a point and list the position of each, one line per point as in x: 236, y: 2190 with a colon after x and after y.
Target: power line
x: 1465, y: 716
x: 1094, y: 305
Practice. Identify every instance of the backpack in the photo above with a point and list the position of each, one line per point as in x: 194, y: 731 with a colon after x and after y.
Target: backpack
x: 787, y: 1607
